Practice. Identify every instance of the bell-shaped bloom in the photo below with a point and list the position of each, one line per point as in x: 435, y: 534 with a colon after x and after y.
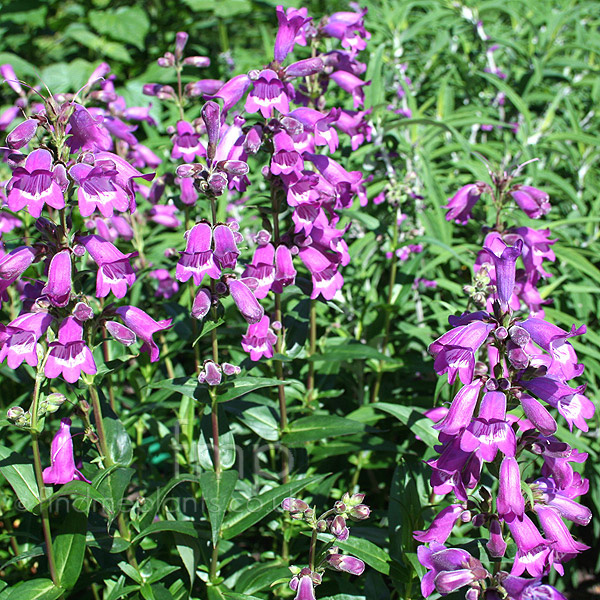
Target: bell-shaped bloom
x: 259, y: 340
x: 351, y: 84
x: 522, y: 588
x: 16, y: 262
x: 496, y: 544
x: 553, y: 339
x: 326, y: 278
x: 536, y: 249
x: 461, y: 410
x: 570, y: 402
x: 198, y: 258
x: 285, y: 273
x: 186, y: 143
x: 461, y: 204
x: 319, y: 124
x: 144, y: 326
x: 504, y: 258
x: 18, y: 339
x: 304, y: 587
x: 246, y: 301
x: 62, y: 463
x: 69, y: 355
x: 35, y: 184
x: 115, y: 273
x: 98, y: 189
x: 86, y: 131
x: 441, y: 527
x: 454, y: 352
x: 510, y: 502
x: 167, y: 286
x: 262, y: 269
x: 268, y: 94
x: 164, y: 214
x: 490, y: 432
x: 58, y: 288
x: 547, y: 493
x: 535, y: 203
x: 344, y: 562
x: 556, y: 531
x: 226, y: 251
x: 289, y: 26
x: 533, y: 551
x: 538, y: 415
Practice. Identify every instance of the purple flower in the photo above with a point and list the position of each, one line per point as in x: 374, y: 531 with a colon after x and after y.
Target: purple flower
x: 533, y: 551
x: 351, y: 84
x: 119, y: 332
x: 233, y: 91
x: 115, y: 273
x: 87, y: 132
x: 496, y: 544
x: 540, y: 418
x: 144, y: 326
x: 289, y: 26
x: 267, y: 94
x: 259, y: 340
x: 186, y: 143
x: 461, y: 204
x: 210, y: 374
x: 461, y: 410
x: 441, y: 527
x: 18, y: 339
x: 303, y: 585
x: 58, y: 288
x: 262, y: 269
x: 62, y: 463
x: 326, y: 278
x: 504, y: 258
x: 226, y: 251
x: 546, y: 492
x: 98, y: 189
x: 454, y: 352
x: 164, y: 214
x: 198, y: 259
x: 532, y: 201
x: 510, y: 503
x: 557, y: 532
x: 521, y: 588
x: 69, y: 355
x: 167, y: 286
x: 202, y: 303
x: 22, y: 134
x: 35, y: 184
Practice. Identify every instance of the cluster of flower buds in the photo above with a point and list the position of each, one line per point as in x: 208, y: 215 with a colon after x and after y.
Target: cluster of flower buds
x: 212, y: 373
x: 514, y: 370
x: 332, y: 521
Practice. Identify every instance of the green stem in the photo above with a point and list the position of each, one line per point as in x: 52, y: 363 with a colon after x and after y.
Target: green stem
x: 312, y: 349
x: 312, y: 551
x: 108, y: 462
x: 37, y: 465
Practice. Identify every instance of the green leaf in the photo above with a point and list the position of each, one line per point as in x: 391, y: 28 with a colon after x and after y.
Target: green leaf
x: 20, y: 475
x: 183, y: 527
x: 260, y: 506
x: 413, y: 419
x: 364, y: 549
x: 113, y: 488
x: 69, y: 548
x: 216, y: 492
x: 243, y: 385
x: 319, y: 427
x: 117, y: 441
x: 129, y: 24
x: 83, y: 493
x: 189, y: 552
x: 35, y: 589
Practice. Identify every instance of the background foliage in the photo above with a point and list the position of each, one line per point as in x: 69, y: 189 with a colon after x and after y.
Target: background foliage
x: 549, y: 51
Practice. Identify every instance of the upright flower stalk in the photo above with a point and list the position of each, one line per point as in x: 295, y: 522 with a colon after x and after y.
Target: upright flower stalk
x: 515, y: 368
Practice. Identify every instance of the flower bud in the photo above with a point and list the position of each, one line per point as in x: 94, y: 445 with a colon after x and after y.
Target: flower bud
x: 211, y: 115
x: 197, y: 61
x: 309, y: 513
x: 294, y: 505
x: 210, y: 374
x: 217, y: 182
x: 321, y: 525
x: 202, y: 303
x: 360, y: 512
x: 501, y: 333
x: 168, y: 60
x: 121, y: 333
x: 54, y: 402
x: 338, y: 528
x: 83, y: 312
x: 233, y: 167
x: 519, y: 335
x: 22, y: 134
x: 339, y: 507
x: 349, y: 564
x: 12, y: 414
x: 230, y: 369
x: 181, y: 39
x: 166, y: 92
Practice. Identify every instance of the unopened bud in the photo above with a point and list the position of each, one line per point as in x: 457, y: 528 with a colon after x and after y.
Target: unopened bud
x: 197, y: 61
x: 83, y: 312
x: 22, y: 134
x: 501, y: 333
x: 168, y: 60
x: 181, y: 39
x: 519, y: 335
x: 210, y: 374
x: 121, y: 333
x: 360, y: 512
x: 12, y: 414
x: 233, y: 167
x: 339, y: 506
x: 202, y: 303
x: 294, y: 505
x: 54, y: 402
x: 230, y: 369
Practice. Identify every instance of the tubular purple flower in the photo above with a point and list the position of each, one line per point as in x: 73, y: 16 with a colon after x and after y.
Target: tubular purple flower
x: 346, y: 563
x: 461, y: 410
x: 115, y: 273
x: 557, y: 532
x: 533, y: 551
x: 560, y: 500
x: 510, y: 502
x: 22, y: 134
x: 8, y: 74
x: 441, y: 527
x: 18, y: 339
x: 58, y: 288
x: 287, y: 32
x: 304, y: 68
x: 505, y: 258
x: 268, y: 94
x: 62, y: 463
x: 144, y: 326
x: 34, y: 185
x: 461, y: 204
x: 259, y: 340
x: 447, y: 582
x: 304, y: 587
x: 233, y: 91
x: 69, y: 355
x: 351, y: 84
x: 87, y: 132
x: 210, y: 374
x: 245, y: 300
x: 16, y: 262
x: 198, y: 258
x: 496, y: 544
x: 535, y: 203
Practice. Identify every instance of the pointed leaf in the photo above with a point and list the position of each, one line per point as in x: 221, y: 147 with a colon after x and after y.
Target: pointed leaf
x: 216, y: 492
